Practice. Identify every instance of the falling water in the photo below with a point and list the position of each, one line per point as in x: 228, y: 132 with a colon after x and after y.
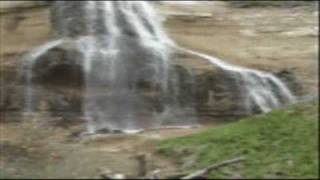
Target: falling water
x: 29, y: 61
x: 260, y: 89
x: 123, y: 45
x: 126, y: 64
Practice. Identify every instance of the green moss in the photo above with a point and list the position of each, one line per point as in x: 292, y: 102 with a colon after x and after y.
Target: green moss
x: 283, y: 143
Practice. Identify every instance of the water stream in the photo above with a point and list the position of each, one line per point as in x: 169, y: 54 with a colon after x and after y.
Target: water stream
x: 125, y: 52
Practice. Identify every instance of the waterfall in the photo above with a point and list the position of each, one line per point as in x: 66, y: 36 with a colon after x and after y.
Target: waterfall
x: 123, y: 46
x: 127, y: 66
x: 30, y: 59
x: 260, y: 89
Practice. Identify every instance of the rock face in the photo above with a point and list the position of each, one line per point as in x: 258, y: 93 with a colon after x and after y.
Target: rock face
x: 61, y: 66
x: 58, y: 79
x: 59, y: 76
x: 9, y: 6
x: 59, y: 82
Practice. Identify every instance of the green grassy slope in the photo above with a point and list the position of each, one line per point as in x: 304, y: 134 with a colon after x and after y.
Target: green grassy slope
x: 283, y: 143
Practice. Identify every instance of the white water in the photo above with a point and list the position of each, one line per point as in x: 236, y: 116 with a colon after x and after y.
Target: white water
x: 123, y: 42
x: 261, y: 89
x: 30, y: 59
x: 110, y: 101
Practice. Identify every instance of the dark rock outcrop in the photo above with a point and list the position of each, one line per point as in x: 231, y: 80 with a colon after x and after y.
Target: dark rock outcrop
x: 61, y: 66
x: 292, y: 81
x: 58, y: 80
x: 58, y: 77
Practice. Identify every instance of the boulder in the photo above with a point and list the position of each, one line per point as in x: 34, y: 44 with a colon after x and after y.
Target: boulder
x: 60, y: 66
x: 292, y: 81
x: 199, y: 87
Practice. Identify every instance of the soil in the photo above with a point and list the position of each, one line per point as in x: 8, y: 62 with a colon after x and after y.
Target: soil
x: 53, y: 153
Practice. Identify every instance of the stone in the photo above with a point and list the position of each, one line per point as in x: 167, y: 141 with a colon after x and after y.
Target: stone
x: 292, y: 81
x: 59, y: 78
x: 60, y: 66
x: 9, y: 6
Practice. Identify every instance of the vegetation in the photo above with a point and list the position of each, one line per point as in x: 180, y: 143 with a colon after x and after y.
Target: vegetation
x: 281, y: 144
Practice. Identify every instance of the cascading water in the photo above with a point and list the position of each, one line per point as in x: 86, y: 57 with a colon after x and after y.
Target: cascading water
x: 128, y: 78
x: 260, y: 89
x: 29, y: 61
x: 128, y: 83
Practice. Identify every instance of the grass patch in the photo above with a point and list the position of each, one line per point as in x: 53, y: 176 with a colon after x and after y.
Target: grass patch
x: 283, y: 143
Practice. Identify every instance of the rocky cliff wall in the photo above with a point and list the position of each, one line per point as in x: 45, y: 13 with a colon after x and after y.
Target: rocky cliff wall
x: 26, y: 25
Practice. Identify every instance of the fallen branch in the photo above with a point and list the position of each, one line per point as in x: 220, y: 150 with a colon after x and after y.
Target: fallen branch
x: 203, y: 172
x: 176, y: 175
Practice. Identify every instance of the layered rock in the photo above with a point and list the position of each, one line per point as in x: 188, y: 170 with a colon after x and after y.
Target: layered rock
x: 59, y: 83
x: 58, y: 79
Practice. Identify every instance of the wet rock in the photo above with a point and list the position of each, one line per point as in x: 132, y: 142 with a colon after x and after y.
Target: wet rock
x: 11, y: 97
x: 14, y: 102
x: 59, y: 74
x: 210, y: 92
x: 60, y: 66
x: 292, y: 81
x: 59, y: 77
